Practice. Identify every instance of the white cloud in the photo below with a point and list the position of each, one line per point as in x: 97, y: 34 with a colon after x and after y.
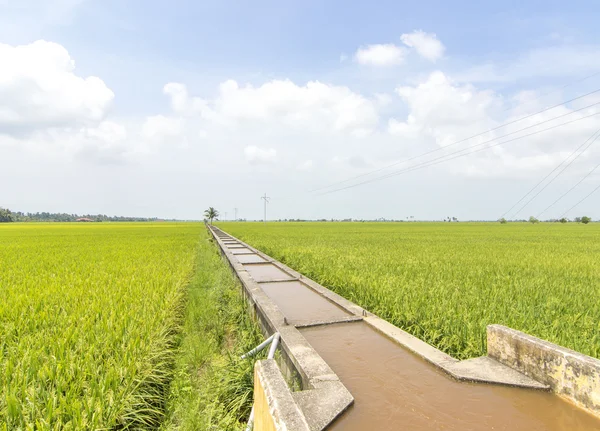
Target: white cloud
x: 39, y: 89
x: 307, y: 165
x: 160, y: 127
x: 354, y: 161
x: 380, y: 55
x: 437, y: 104
x: 182, y: 103
x: 256, y: 155
x: 106, y: 142
x: 427, y: 45
x: 314, y: 107
x: 442, y: 112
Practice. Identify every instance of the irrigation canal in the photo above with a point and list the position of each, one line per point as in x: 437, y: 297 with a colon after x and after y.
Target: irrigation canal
x: 394, y: 388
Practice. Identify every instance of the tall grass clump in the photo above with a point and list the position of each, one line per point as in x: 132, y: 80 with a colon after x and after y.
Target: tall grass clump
x: 212, y: 388
x: 445, y: 282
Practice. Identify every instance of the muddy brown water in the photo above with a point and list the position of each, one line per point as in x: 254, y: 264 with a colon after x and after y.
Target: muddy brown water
x: 249, y: 258
x: 396, y: 390
x: 266, y: 272
x: 300, y: 304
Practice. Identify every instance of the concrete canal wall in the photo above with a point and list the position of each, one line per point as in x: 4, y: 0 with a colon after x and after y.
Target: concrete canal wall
x: 568, y: 373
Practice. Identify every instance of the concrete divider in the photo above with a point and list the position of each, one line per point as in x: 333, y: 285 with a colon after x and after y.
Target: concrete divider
x: 570, y: 374
x: 274, y: 407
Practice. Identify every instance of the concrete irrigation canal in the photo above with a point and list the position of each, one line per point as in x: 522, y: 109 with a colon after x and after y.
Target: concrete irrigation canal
x: 343, y: 368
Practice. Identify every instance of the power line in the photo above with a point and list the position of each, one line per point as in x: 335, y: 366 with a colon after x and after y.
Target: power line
x: 454, y: 143
x: 591, y: 140
x: 577, y: 204
x: 557, y: 90
x: 571, y: 189
x: 444, y: 158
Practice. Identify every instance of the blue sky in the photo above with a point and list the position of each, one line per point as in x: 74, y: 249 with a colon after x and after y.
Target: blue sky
x: 307, y: 109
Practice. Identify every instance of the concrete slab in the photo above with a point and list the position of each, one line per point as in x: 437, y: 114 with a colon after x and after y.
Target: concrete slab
x: 312, y: 324
x: 302, y: 305
x: 250, y: 258
x: 274, y: 407
x: 485, y: 370
x: 243, y: 250
x: 322, y: 407
x: 266, y: 272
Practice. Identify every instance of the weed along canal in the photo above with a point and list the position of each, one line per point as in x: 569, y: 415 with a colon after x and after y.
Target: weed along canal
x: 355, y: 371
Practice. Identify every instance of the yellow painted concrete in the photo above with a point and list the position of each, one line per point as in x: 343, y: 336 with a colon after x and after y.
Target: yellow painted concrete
x: 263, y: 420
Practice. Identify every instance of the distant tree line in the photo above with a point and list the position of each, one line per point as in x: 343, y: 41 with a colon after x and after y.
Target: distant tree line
x: 7, y: 215
x: 533, y: 220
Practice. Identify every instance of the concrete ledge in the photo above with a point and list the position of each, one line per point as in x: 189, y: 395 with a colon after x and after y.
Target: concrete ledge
x: 488, y: 370
x: 275, y: 280
x: 480, y: 370
x: 570, y: 374
x: 348, y: 319
x: 318, y: 406
x: 274, y: 407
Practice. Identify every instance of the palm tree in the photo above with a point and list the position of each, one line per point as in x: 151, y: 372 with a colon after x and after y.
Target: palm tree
x: 211, y: 214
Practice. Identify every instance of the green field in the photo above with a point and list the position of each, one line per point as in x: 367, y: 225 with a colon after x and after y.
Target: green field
x: 121, y: 326
x: 88, y: 322
x: 445, y: 282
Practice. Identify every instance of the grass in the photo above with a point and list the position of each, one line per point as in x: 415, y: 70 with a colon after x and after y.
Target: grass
x: 120, y: 326
x: 212, y: 388
x: 445, y: 282
x: 88, y: 322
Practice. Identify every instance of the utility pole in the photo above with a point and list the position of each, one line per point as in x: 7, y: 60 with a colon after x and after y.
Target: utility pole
x: 235, y: 212
x: 225, y: 216
x: 266, y: 199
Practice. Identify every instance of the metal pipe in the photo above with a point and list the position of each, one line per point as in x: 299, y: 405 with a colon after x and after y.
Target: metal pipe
x: 274, y: 345
x: 258, y: 348
x: 274, y: 340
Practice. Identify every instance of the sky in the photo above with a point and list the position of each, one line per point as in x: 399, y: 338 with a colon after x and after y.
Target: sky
x: 334, y: 109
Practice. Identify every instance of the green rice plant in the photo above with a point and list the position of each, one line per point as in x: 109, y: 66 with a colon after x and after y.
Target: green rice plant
x: 89, y: 319
x: 445, y: 282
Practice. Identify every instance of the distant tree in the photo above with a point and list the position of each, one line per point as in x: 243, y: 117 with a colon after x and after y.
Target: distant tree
x: 577, y: 219
x: 502, y: 221
x: 533, y: 220
x: 211, y: 214
x: 563, y: 220
x: 585, y: 219
x: 5, y: 215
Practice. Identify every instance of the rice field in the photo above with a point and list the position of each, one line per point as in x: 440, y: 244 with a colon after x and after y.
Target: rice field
x: 444, y: 282
x: 88, y: 322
